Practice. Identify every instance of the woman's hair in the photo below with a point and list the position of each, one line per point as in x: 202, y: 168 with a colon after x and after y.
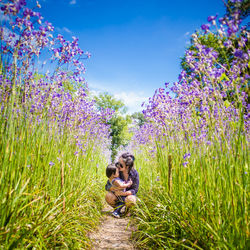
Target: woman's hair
x: 128, y: 159
x: 111, y: 169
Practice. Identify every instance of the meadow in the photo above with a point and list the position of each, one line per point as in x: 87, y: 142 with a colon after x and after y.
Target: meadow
x: 192, y: 152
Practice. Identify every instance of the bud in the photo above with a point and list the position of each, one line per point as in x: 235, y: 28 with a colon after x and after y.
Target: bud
x: 38, y: 5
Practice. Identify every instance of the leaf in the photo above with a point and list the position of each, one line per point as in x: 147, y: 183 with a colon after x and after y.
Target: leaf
x: 224, y: 77
x: 226, y: 103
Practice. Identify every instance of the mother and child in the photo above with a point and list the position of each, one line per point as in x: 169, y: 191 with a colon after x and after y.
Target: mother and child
x: 122, y: 184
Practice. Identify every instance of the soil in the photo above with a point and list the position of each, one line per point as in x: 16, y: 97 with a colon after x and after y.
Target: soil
x: 113, y: 233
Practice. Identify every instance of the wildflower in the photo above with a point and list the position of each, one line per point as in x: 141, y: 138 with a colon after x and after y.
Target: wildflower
x: 51, y: 163
x: 185, y: 163
x: 211, y: 18
x: 238, y: 53
x: 186, y: 156
x: 38, y: 5
x: 236, y: 1
x: 205, y: 27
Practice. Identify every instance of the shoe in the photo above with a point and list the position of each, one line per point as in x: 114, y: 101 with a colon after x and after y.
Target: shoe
x: 116, y: 215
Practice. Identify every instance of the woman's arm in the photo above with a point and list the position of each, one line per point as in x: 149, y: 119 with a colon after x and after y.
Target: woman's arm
x: 135, y: 185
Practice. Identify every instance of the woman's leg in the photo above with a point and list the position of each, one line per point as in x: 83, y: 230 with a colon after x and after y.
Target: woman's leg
x: 130, y: 200
x: 111, y: 199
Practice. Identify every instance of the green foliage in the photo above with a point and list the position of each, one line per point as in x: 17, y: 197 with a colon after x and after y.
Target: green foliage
x: 210, y: 40
x: 244, y: 8
x: 107, y: 101
x: 118, y: 123
x: 162, y: 224
x: 225, y: 58
x: 50, y: 197
x: 138, y: 118
x: 207, y: 206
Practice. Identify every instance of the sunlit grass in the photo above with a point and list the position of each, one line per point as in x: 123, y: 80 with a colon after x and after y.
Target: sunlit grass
x: 208, y: 204
x: 49, y: 195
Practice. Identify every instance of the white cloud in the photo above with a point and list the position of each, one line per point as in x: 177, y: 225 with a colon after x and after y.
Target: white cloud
x: 94, y: 93
x: 132, y: 100
x: 67, y: 30
x: 72, y: 2
x: 63, y: 30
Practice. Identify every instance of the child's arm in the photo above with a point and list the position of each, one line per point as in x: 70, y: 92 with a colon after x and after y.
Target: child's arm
x: 121, y: 184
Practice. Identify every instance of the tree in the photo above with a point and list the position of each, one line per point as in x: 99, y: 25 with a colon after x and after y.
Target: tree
x: 227, y: 47
x: 214, y: 39
x: 107, y: 101
x: 118, y: 123
x: 138, y: 118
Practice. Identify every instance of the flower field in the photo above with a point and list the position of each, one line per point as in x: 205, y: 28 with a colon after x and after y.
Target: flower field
x: 53, y: 144
x: 192, y: 153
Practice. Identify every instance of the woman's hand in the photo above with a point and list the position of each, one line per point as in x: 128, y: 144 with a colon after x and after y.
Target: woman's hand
x: 130, y: 183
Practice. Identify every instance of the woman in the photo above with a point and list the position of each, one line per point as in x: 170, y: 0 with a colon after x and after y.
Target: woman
x: 127, y: 172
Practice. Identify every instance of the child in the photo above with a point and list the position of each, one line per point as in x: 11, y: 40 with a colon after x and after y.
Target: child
x: 112, y: 172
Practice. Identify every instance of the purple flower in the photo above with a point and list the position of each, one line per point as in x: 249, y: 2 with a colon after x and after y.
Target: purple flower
x: 239, y: 53
x: 51, y: 163
x: 236, y: 1
x: 211, y: 18
x: 205, y: 27
x: 228, y: 43
x: 185, y: 163
x: 186, y: 156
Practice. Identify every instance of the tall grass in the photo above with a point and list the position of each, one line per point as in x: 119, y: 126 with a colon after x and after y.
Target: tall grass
x: 198, y: 146
x: 209, y: 201
x: 50, y: 193
x: 49, y: 196
x: 52, y: 142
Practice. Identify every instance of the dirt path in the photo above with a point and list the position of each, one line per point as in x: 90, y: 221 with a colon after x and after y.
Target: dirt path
x: 113, y: 233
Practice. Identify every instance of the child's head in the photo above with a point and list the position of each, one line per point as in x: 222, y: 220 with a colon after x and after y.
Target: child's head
x: 112, y: 170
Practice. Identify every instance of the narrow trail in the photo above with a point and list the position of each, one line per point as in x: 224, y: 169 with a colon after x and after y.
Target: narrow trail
x: 112, y: 233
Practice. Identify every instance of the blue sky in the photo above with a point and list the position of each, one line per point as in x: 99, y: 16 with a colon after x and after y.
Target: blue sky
x: 135, y: 45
